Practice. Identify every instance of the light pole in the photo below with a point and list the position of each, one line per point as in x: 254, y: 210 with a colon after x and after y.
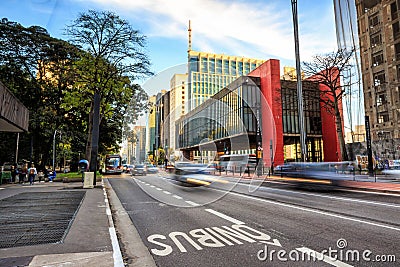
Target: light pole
x: 299, y: 84
x: 54, y: 147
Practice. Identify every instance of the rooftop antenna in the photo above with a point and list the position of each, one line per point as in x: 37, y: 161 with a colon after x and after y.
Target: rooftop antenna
x: 190, y: 38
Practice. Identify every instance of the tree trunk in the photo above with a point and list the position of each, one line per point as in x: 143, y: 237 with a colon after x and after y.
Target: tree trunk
x: 342, y: 144
x: 89, y: 136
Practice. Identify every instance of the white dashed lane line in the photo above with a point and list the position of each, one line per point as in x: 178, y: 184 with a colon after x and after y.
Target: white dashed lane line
x: 192, y: 203
x: 169, y: 193
x: 223, y: 216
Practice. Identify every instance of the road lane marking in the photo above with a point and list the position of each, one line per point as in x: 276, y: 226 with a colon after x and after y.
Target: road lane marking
x: 338, y: 198
x: 192, y: 203
x: 152, y: 186
x: 223, y: 216
x: 166, y: 192
x: 210, y: 237
x: 312, y: 210
x: 325, y: 258
x: 159, y: 189
x: 178, y: 197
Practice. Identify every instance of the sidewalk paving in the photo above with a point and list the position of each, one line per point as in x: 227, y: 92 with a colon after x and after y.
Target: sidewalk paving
x: 86, y: 242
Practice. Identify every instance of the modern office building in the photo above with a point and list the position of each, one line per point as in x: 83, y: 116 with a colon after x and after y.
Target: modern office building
x: 151, y: 126
x: 178, y: 97
x: 379, y: 38
x: 164, y: 122
x: 208, y: 73
x: 228, y: 121
x: 140, y: 147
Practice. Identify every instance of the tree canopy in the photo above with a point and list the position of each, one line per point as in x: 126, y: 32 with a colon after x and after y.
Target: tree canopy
x: 332, y: 70
x: 54, y: 79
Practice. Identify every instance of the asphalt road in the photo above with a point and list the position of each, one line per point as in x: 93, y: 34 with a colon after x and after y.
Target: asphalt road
x: 252, y: 224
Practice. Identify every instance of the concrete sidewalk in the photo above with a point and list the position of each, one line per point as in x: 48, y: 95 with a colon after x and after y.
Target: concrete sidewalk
x: 86, y: 242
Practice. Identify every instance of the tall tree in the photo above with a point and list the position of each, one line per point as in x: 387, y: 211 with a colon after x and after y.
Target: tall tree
x: 115, y: 52
x: 330, y: 70
x: 34, y: 66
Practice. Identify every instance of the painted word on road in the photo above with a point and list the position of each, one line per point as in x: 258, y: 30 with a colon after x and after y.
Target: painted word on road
x: 211, y: 237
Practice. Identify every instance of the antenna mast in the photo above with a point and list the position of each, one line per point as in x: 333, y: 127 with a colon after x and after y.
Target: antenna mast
x: 190, y: 38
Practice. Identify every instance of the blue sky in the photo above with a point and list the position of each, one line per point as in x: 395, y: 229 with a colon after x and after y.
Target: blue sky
x: 257, y: 29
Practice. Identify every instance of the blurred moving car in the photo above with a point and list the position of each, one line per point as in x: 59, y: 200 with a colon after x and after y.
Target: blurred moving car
x: 139, y: 169
x: 151, y: 168
x: 128, y: 168
x: 194, y: 174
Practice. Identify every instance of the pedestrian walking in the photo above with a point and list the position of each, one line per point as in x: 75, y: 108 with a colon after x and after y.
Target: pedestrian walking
x: 14, y: 173
x: 22, y: 174
x: 32, y: 174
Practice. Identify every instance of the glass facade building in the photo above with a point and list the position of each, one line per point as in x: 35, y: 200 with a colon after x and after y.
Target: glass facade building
x: 208, y: 73
x: 227, y: 114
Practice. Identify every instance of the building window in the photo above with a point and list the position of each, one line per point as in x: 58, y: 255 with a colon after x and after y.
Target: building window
x: 373, y: 20
x: 393, y: 10
x: 376, y: 39
x: 194, y: 64
x: 397, y: 51
x: 204, y: 64
x: 381, y: 100
x: 379, y: 78
x: 396, y: 30
x: 398, y: 71
x: 377, y: 59
x: 383, y: 117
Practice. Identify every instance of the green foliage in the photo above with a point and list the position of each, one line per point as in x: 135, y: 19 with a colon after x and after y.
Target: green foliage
x: 56, y: 81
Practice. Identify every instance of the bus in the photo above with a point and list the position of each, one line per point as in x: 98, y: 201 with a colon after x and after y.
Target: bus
x: 113, y: 164
x: 238, y: 162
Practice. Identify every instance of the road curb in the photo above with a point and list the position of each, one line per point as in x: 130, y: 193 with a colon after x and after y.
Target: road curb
x: 135, y: 253
x: 117, y: 256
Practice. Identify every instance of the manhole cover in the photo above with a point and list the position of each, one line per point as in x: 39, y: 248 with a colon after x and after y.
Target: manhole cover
x: 37, y: 217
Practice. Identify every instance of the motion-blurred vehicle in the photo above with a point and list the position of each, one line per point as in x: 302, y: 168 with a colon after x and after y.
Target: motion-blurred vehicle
x: 152, y: 169
x: 194, y: 174
x: 395, y: 173
x: 316, y: 171
x: 128, y: 168
x: 139, y: 169
x: 238, y: 162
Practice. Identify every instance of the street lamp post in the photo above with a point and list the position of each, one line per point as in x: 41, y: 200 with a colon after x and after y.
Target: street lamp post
x: 299, y: 84
x: 54, y: 147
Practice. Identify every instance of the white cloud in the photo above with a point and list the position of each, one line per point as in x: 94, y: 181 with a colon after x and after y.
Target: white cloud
x: 251, y: 29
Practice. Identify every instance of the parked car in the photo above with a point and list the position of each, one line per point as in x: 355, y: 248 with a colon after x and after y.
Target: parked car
x: 7, y: 166
x: 152, y: 169
x: 139, y: 169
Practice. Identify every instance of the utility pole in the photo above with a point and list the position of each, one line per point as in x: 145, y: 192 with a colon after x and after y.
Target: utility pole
x: 299, y: 84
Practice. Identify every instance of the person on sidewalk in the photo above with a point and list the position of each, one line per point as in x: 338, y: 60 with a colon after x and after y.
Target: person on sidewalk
x: 14, y: 173
x: 32, y: 174
x: 22, y: 174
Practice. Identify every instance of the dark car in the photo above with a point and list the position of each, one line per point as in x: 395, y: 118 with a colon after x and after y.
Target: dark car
x: 139, y: 169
